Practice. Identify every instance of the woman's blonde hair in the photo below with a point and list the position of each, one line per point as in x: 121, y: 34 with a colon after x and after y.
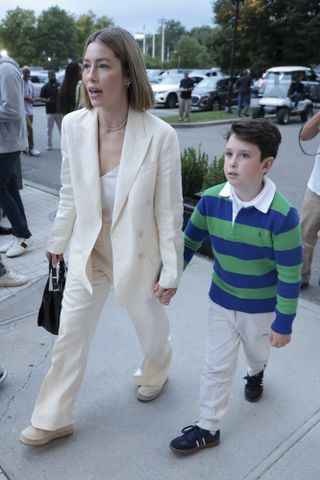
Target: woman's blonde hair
x: 126, y: 49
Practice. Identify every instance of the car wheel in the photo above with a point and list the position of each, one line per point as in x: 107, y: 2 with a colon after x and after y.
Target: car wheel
x: 283, y: 116
x: 306, y: 114
x: 171, y: 100
x: 216, y: 105
x: 258, y: 112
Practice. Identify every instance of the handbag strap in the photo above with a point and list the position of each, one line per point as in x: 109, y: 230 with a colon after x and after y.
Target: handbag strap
x: 56, y: 277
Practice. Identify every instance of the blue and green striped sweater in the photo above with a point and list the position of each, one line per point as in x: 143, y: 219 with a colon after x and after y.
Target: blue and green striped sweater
x: 257, y: 258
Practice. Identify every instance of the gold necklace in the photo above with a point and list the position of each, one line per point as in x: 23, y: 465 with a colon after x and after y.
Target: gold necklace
x: 115, y: 129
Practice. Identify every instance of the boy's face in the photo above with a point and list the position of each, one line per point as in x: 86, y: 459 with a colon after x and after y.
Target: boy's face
x: 243, y: 167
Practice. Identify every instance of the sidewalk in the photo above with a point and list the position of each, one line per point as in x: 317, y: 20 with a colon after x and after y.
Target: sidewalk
x: 119, y: 438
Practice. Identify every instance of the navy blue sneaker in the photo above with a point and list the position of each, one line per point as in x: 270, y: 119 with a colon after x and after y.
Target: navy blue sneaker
x: 254, y: 387
x: 194, y: 439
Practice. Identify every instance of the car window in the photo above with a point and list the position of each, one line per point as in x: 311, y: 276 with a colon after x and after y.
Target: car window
x: 172, y: 79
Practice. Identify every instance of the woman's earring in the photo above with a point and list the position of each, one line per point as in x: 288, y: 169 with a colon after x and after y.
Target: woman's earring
x: 128, y: 84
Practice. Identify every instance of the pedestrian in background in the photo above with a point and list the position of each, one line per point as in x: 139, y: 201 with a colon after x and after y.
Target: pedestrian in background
x: 121, y: 212
x: 244, y: 95
x: 310, y: 216
x: 253, y: 297
x: 185, y: 89
x: 13, y: 139
x: 29, y: 97
x: 8, y: 278
x: 49, y: 95
x: 67, y: 96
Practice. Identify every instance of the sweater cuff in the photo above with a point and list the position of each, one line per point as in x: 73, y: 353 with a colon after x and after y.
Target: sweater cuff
x: 283, y: 323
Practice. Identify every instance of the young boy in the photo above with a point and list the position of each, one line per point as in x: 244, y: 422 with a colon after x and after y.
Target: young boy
x: 256, y: 241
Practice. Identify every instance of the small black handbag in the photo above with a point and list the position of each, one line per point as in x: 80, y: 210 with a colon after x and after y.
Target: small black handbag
x: 50, y: 308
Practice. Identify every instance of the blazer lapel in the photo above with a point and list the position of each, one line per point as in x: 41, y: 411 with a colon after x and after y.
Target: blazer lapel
x: 85, y: 150
x: 135, y: 147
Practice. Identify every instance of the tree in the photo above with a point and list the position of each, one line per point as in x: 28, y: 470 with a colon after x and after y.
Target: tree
x: 56, y: 38
x: 205, y: 36
x: 270, y: 32
x: 86, y: 24
x: 18, y: 35
x: 190, y: 54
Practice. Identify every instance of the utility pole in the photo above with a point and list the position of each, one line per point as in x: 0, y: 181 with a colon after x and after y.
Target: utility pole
x: 144, y: 40
x: 162, y: 38
x: 153, y: 45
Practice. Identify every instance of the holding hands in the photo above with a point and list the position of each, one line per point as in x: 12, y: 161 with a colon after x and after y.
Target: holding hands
x: 163, y: 294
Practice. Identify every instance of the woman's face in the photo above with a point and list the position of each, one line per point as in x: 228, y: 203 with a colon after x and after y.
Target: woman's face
x: 103, y: 78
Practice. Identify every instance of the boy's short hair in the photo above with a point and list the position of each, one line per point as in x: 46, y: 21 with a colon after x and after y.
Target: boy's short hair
x: 259, y: 131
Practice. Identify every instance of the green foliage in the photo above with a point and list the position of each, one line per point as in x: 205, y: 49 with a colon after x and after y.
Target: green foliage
x: 56, y: 37
x: 86, y: 24
x: 269, y: 33
x: 215, y: 173
x: 18, y: 35
x: 190, y: 53
x: 194, y: 167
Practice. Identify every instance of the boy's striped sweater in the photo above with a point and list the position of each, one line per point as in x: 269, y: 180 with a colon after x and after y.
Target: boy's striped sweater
x: 257, y: 258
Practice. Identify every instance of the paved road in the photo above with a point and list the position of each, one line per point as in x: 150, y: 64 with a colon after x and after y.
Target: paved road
x: 290, y: 172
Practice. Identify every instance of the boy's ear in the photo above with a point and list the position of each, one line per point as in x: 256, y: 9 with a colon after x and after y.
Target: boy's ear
x: 267, y: 164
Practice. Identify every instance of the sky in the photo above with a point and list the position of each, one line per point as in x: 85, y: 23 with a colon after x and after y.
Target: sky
x: 135, y: 15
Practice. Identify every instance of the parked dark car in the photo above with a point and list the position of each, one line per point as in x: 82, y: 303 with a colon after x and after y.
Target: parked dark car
x: 212, y: 93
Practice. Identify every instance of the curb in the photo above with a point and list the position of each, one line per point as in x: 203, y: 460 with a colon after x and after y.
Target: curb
x: 202, y: 124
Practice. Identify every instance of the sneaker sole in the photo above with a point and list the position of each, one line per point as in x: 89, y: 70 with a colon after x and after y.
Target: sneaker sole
x: 60, y: 433
x: 4, y: 376
x: 194, y: 450
x: 252, y: 400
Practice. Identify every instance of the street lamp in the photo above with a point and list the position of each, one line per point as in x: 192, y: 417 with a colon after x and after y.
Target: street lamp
x: 3, y: 53
x: 233, y: 51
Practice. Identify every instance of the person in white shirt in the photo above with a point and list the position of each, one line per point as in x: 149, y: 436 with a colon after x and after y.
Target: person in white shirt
x: 29, y: 97
x: 310, y: 216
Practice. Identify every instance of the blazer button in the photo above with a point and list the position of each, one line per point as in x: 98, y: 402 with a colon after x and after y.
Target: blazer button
x: 140, y: 233
x: 148, y: 203
x: 141, y: 255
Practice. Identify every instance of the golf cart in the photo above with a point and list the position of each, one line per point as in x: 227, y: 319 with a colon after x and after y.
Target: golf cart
x: 276, y: 98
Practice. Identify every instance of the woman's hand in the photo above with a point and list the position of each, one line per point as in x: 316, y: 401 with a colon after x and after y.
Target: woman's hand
x: 54, y: 257
x: 278, y: 340
x: 163, y: 294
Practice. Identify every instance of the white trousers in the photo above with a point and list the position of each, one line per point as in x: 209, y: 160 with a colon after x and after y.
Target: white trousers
x: 52, y: 118
x: 226, y: 330
x: 79, y: 317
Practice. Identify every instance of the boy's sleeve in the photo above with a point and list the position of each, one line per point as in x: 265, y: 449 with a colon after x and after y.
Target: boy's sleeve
x: 196, y: 231
x: 288, y: 256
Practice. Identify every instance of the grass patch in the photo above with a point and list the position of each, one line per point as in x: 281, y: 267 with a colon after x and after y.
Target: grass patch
x: 198, y: 117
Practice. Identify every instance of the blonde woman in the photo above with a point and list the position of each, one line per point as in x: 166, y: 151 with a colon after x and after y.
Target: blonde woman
x: 121, y: 212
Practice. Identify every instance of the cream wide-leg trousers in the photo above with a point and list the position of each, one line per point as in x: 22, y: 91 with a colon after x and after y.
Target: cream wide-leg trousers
x: 226, y: 330
x: 80, y: 313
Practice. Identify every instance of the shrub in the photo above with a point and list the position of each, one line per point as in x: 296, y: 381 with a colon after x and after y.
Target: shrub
x: 215, y: 173
x: 194, y: 168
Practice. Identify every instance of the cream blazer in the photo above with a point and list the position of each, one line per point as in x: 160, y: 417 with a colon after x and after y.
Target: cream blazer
x: 146, y: 231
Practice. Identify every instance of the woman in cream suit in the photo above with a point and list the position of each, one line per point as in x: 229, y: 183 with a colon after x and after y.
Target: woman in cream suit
x: 120, y: 211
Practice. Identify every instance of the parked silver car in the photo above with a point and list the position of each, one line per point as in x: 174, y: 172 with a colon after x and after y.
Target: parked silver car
x: 38, y: 79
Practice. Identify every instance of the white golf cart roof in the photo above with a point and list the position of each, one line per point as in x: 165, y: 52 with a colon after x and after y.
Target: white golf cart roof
x: 288, y: 69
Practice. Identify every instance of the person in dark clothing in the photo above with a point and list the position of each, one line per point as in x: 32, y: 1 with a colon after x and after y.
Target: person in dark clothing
x: 297, y: 91
x: 67, y: 92
x: 185, y: 89
x: 49, y: 94
x: 244, y: 95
